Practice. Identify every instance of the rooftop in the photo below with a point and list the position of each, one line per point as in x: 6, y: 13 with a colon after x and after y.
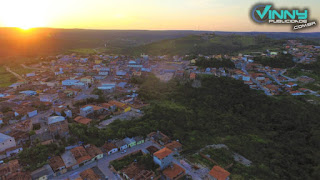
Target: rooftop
x: 56, y: 162
x: 173, y: 171
x: 4, y: 137
x: 162, y: 153
x: 55, y: 119
x: 219, y: 173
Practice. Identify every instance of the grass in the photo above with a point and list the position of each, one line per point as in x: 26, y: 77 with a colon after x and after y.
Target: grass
x: 21, y: 70
x: 83, y: 51
x: 6, y: 78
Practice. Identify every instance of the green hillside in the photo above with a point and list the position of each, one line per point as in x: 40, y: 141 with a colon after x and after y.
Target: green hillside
x: 208, y: 44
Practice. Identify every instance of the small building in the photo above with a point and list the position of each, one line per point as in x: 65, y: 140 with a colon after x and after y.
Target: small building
x: 110, y: 148
x: 163, y: 157
x: 130, y: 142
x: 82, y: 120
x: 86, y: 111
x: 69, y: 160
x: 139, y: 140
x: 28, y: 93
x: 121, y: 145
x: 81, y: 155
x: 89, y: 174
x: 57, y: 165
x: 58, y: 125
x: 218, y: 173
x: 94, y: 152
x: 42, y: 173
x: 6, y: 142
x: 174, y: 146
x: 174, y: 172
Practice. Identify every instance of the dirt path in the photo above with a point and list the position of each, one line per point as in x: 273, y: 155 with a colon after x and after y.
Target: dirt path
x: 15, y: 74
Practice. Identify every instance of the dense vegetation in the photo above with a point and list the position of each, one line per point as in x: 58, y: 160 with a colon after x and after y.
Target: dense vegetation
x: 280, y: 136
x: 279, y: 61
x: 208, y: 44
x: 214, y: 63
x: 37, y: 156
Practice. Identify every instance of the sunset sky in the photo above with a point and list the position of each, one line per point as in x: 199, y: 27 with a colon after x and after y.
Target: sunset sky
x: 215, y: 15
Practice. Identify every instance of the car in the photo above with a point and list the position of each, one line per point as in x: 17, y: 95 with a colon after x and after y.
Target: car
x: 123, y: 152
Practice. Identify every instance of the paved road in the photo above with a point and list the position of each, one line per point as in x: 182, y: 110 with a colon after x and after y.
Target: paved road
x: 255, y: 81
x: 275, y: 79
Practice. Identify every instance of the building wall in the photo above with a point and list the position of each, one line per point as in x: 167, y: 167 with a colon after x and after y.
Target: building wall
x: 163, y: 163
x: 9, y: 143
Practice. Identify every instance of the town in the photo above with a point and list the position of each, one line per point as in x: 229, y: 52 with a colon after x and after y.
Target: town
x: 63, y: 94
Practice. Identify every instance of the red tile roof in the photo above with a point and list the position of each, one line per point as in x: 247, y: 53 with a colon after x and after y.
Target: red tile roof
x: 162, y: 153
x: 219, y: 173
x: 174, y: 171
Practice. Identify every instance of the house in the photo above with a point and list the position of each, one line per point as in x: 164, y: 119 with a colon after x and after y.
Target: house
x: 6, y: 142
x: 121, y: 106
x: 163, y: 157
x: 82, y: 120
x: 218, y: 173
x: 26, y: 111
x: 291, y: 84
x: 89, y: 109
x: 110, y: 148
x: 81, y: 155
x: 139, y: 140
x: 130, y: 142
x: 58, y: 125
x: 297, y: 93
x: 9, y: 168
x: 108, y: 107
x: 107, y: 87
x: 174, y: 146
x: 89, y: 174
x: 86, y: 111
x: 72, y: 82
x: 28, y: 93
x: 42, y: 173
x: 134, y: 171
x: 159, y: 137
x: 94, y: 152
x: 193, y: 76
x: 49, y: 97
x: 174, y: 172
x: 69, y: 160
x: 121, y: 145
x: 57, y: 165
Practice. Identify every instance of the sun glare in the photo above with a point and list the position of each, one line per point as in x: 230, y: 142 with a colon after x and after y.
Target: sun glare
x: 23, y: 14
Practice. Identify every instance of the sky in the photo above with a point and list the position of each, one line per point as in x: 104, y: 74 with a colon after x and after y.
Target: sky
x: 212, y: 15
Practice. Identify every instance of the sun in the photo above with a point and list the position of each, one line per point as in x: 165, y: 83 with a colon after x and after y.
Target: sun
x: 23, y: 14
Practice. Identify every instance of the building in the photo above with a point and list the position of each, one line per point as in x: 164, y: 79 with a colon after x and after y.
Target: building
x: 69, y: 160
x: 48, y: 97
x: 94, y: 152
x: 57, y: 165
x: 218, y: 173
x: 82, y: 120
x: 110, y: 148
x: 81, y: 155
x: 89, y: 174
x: 174, y: 146
x: 159, y: 137
x: 42, y: 173
x: 139, y: 140
x: 174, y: 172
x: 121, y: 145
x: 6, y: 142
x: 130, y: 142
x: 163, y: 157
x: 58, y: 125
x: 9, y: 168
x: 85, y: 111
x: 121, y: 106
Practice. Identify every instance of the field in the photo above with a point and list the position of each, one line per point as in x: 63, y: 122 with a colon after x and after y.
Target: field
x: 6, y: 78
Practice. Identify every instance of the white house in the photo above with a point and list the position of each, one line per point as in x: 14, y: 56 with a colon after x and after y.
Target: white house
x: 121, y: 145
x: 163, y: 157
x: 86, y: 110
x: 6, y: 142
